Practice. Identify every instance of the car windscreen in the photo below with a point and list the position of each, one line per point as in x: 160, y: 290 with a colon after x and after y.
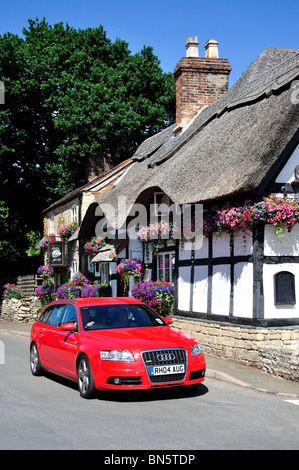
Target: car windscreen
x: 99, y: 317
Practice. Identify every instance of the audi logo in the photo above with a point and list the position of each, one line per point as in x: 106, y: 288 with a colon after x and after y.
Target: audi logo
x: 166, y: 357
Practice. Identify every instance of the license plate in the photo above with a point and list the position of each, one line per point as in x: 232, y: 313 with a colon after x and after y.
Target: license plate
x: 164, y: 370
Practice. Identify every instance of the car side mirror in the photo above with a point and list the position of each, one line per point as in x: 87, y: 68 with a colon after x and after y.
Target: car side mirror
x: 70, y: 326
x: 168, y: 320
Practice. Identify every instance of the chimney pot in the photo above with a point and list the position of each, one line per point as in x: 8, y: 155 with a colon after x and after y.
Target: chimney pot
x: 199, y: 80
x: 211, y: 47
x: 192, y: 47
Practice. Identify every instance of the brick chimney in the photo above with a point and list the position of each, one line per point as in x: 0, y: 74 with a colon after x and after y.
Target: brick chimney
x: 199, y: 80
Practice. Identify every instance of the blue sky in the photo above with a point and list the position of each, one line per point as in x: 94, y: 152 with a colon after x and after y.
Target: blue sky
x: 243, y: 28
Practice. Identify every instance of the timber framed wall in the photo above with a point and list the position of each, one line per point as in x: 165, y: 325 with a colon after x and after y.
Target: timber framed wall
x: 232, y: 278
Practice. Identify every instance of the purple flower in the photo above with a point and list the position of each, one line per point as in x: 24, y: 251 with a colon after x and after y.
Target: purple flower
x: 45, y: 270
x: 45, y: 291
x: 67, y: 292
x: 157, y: 295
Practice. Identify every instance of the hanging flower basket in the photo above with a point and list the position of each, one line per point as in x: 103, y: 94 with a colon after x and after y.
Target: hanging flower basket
x: 66, y: 230
x: 281, y: 212
x: 130, y: 267
x: 92, y: 247
x: 156, y: 235
x: 44, y: 242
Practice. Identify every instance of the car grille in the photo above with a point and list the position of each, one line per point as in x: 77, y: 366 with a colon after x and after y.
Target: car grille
x: 165, y: 357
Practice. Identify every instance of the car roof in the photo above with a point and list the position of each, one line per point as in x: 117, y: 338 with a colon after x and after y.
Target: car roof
x: 100, y: 301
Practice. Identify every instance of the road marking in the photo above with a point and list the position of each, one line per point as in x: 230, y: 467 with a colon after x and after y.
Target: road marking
x: 295, y: 402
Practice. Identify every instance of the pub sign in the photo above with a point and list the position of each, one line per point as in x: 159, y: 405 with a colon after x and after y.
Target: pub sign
x: 56, y: 254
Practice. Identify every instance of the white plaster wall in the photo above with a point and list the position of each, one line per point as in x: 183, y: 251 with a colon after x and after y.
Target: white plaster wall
x: 184, y: 288
x: 185, y: 250
x: 285, y: 245
x: 243, y: 243
x: 200, y: 289
x: 279, y: 311
x: 113, y: 283
x: 287, y: 173
x: 201, y: 248
x: 221, y: 290
x: 221, y: 245
x: 243, y: 290
x: 135, y: 249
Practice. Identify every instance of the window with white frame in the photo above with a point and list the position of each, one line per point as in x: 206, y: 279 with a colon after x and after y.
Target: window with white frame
x: 102, y: 271
x: 74, y: 213
x: 74, y: 267
x: 51, y: 224
x: 166, y: 266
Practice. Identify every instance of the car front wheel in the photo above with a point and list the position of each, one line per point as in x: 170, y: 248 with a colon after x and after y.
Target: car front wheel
x: 35, y: 365
x: 85, y: 378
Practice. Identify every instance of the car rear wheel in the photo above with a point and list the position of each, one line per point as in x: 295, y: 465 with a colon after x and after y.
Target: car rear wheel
x: 35, y: 365
x: 85, y: 378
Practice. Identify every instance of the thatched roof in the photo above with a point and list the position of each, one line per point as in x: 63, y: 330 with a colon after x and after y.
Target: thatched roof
x: 229, y: 148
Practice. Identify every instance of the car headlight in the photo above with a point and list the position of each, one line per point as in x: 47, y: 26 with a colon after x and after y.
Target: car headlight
x: 196, y: 350
x: 116, y: 356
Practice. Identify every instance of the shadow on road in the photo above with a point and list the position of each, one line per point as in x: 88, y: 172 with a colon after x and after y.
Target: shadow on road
x: 171, y: 393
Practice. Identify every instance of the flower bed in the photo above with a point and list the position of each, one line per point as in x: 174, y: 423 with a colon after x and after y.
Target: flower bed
x: 78, y: 286
x: 13, y: 291
x: 46, y: 271
x: 67, y: 292
x: 96, y: 290
x: 157, y: 295
x: 45, y: 292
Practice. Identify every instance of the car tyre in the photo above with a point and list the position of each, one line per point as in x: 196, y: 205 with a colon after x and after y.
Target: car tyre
x: 35, y: 364
x: 85, y: 378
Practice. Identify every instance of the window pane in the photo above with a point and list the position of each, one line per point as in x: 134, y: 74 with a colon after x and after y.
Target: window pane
x: 70, y: 314
x: 45, y: 316
x: 166, y: 266
x: 172, y: 267
x: 56, y: 315
x: 104, y: 272
x: 160, y: 267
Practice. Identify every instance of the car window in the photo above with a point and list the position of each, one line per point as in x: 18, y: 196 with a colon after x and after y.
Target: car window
x: 119, y: 316
x: 53, y: 315
x: 56, y: 315
x: 70, y: 315
x: 44, y: 317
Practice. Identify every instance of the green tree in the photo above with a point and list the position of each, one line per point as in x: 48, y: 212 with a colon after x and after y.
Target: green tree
x: 71, y: 95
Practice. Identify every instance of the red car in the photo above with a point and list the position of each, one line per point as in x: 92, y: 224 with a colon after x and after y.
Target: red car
x: 113, y: 343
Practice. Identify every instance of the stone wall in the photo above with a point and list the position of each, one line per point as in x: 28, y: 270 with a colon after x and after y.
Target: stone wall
x: 274, y: 350
x: 24, y: 310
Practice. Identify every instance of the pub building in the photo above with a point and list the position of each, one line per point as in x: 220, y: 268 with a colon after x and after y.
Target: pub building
x: 227, y: 147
